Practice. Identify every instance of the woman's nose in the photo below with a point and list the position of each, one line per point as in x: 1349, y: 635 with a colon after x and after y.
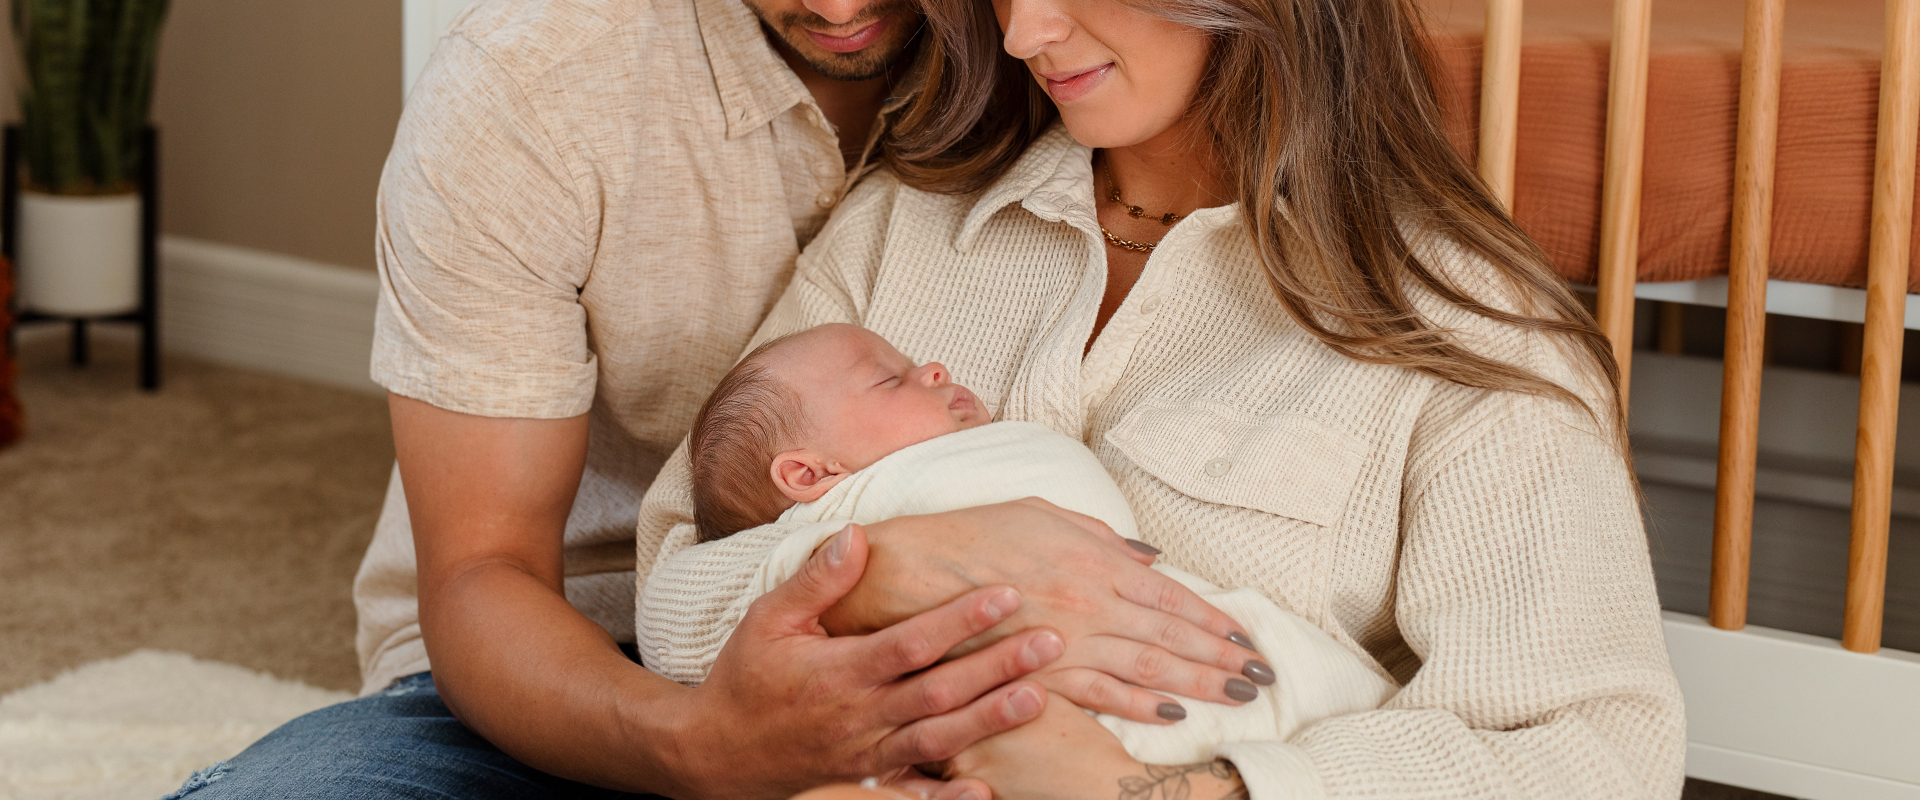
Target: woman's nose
x: 1031, y: 25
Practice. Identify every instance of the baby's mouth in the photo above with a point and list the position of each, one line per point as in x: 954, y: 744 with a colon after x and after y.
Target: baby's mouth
x: 963, y: 400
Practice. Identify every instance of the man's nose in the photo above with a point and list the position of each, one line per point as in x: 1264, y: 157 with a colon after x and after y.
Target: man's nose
x: 838, y: 12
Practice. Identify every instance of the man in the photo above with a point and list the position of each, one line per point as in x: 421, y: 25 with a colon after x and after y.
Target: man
x: 589, y: 206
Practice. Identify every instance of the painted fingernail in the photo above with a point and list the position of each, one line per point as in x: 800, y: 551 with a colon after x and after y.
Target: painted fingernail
x: 1258, y: 672
x: 1024, y: 703
x: 1042, y: 649
x: 1002, y: 604
x: 1241, y: 639
x: 1143, y: 547
x: 837, y: 550
x: 1172, y: 711
x: 1241, y: 690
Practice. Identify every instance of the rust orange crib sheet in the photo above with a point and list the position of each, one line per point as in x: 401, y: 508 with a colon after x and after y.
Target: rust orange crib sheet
x: 1828, y: 113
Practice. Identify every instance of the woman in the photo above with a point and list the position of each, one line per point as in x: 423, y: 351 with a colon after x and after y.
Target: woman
x: 1245, y: 267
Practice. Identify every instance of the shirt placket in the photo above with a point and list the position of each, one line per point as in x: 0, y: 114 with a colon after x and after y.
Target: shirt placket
x: 1150, y: 297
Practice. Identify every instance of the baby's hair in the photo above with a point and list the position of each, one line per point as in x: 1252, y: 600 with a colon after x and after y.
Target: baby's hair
x: 750, y: 418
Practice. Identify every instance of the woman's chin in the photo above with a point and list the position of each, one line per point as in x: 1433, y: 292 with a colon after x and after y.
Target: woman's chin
x: 1105, y: 130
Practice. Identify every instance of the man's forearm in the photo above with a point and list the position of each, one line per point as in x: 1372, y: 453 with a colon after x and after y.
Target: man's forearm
x: 522, y: 668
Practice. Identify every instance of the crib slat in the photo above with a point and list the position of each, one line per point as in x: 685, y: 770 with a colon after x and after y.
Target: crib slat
x: 1887, y: 264
x: 1746, y: 312
x: 1500, y: 98
x: 1620, y: 195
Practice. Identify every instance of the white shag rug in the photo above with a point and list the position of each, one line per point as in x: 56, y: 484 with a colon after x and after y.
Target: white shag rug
x: 134, y: 727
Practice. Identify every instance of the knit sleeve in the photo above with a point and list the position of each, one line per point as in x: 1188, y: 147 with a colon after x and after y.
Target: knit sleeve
x: 1525, y: 588
x: 691, y: 596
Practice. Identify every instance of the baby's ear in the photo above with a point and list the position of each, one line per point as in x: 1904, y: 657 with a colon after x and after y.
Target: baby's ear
x: 803, y: 476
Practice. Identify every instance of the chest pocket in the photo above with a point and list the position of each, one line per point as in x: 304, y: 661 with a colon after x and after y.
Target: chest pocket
x: 1289, y: 465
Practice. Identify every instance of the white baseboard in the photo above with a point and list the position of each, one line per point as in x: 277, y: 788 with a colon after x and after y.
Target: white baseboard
x: 267, y: 311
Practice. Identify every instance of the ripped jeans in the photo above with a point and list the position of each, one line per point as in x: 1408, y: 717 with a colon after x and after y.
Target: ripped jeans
x: 399, y: 743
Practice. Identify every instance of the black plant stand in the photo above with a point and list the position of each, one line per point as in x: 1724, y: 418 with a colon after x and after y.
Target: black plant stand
x: 147, y: 316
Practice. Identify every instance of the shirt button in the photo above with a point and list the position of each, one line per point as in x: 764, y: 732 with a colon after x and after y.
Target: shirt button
x: 1219, y: 467
x: 825, y: 199
x: 1150, y: 304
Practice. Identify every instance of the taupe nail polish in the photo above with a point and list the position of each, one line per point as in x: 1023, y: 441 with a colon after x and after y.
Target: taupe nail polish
x: 1241, y: 639
x: 1172, y: 711
x: 1143, y: 547
x: 1241, y: 690
x: 1258, y: 672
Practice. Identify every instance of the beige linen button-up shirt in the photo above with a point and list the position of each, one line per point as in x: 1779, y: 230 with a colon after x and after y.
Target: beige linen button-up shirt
x: 1483, y: 549
x: 587, y: 210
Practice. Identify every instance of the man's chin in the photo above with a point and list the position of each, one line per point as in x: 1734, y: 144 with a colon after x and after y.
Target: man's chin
x: 865, y: 64
x: 860, y: 66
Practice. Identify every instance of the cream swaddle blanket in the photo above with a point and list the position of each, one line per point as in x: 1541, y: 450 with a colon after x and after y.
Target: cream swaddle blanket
x: 1004, y: 461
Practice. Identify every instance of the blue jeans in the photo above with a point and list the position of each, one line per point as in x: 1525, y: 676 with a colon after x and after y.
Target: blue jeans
x: 399, y: 743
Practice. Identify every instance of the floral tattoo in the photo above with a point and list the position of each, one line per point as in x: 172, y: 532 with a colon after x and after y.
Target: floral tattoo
x: 1172, y: 784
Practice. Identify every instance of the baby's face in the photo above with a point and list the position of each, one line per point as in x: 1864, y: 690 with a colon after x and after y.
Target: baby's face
x: 864, y: 400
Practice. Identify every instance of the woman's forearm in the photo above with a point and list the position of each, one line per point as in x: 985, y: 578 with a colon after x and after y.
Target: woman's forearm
x: 522, y: 668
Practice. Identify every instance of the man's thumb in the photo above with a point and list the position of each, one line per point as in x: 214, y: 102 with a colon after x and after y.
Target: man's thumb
x: 832, y: 572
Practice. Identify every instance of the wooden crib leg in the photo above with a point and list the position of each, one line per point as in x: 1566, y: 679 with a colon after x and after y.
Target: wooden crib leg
x: 1887, y: 271
x: 1746, y: 313
x: 1620, y: 194
x: 1670, y: 337
x: 1500, y: 99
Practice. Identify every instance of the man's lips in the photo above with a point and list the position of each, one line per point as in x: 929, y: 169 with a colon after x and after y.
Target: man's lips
x: 859, y: 40
x: 1066, y: 87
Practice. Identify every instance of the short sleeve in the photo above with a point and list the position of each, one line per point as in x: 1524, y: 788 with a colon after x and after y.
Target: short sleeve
x: 483, y: 248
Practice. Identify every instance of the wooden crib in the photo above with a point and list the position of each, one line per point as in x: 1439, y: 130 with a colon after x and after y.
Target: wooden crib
x: 1767, y: 709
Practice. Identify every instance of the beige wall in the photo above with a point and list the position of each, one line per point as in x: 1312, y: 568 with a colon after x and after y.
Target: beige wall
x: 275, y: 118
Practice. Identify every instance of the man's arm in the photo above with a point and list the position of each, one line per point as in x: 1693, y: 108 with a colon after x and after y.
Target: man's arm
x: 785, y: 708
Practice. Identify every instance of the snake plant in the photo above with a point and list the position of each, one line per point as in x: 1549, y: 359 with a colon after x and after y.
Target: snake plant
x: 89, y: 90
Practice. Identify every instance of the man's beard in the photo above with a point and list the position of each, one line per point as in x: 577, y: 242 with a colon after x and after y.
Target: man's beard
x: 866, y: 64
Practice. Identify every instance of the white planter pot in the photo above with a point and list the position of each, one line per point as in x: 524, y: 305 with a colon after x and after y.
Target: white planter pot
x: 79, y: 256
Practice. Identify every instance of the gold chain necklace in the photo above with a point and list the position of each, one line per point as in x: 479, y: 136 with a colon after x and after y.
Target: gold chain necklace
x: 1113, y: 194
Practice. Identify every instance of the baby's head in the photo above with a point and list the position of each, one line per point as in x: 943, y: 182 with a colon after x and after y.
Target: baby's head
x: 802, y: 412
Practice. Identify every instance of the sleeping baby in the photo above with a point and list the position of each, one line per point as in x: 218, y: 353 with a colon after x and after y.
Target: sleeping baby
x: 834, y: 424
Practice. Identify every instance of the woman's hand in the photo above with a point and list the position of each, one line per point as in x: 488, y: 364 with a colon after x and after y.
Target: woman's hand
x: 1127, y: 628
x: 1067, y: 755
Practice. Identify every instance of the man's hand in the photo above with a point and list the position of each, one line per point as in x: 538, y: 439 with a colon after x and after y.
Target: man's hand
x: 787, y: 708
x: 1128, y: 628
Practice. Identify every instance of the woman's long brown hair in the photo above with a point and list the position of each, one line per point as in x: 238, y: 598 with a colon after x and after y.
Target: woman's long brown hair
x: 1346, y: 145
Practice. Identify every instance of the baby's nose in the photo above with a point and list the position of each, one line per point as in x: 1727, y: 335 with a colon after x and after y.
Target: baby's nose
x: 935, y: 373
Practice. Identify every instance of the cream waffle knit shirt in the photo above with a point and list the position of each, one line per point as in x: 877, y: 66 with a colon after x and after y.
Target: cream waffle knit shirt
x: 1483, y: 548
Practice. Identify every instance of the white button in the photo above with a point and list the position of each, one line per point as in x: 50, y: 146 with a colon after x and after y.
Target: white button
x: 1150, y: 304
x: 1219, y: 467
x: 825, y: 199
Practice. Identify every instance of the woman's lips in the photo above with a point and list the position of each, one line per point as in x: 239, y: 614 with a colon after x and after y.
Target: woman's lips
x: 1073, y: 86
x: 847, y: 44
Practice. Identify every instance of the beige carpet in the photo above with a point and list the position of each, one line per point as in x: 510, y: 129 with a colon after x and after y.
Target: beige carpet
x: 221, y: 517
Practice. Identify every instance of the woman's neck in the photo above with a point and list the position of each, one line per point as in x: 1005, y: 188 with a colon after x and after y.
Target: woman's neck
x: 1167, y: 173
